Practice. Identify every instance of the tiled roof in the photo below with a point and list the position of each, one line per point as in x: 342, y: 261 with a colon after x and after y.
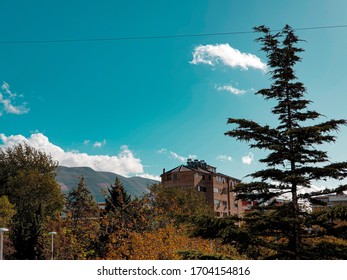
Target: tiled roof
x: 180, y: 168
x: 202, y: 170
x: 183, y: 168
x: 229, y: 176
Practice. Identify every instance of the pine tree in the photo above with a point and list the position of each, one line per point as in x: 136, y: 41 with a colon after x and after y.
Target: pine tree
x: 293, y: 161
x: 117, y: 198
x: 81, y: 205
x: 82, y: 214
x: 117, y: 220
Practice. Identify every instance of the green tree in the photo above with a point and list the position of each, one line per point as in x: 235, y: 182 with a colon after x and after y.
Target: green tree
x: 176, y: 203
x: 27, y: 177
x: 117, y: 197
x: 7, y: 211
x: 81, y: 205
x: 293, y: 160
x: 82, y: 215
x: 154, y: 226
x: 118, y: 219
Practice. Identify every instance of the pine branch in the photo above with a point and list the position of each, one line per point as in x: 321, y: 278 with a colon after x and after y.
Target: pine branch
x: 336, y: 171
x: 251, y: 131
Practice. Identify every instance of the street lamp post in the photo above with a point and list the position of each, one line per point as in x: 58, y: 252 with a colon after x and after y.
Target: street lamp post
x: 52, y: 233
x: 2, y: 230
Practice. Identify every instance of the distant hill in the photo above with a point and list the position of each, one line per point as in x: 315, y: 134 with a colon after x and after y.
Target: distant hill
x: 98, y: 181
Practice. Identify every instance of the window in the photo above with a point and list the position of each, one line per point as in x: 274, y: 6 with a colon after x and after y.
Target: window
x: 215, y: 190
x: 216, y: 202
x: 203, y: 177
x: 174, y: 176
x: 231, y: 183
x: 168, y: 177
x: 209, y: 177
x: 224, y: 203
x: 202, y: 189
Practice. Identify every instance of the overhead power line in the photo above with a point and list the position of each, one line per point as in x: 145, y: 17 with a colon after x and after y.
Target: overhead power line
x: 159, y: 36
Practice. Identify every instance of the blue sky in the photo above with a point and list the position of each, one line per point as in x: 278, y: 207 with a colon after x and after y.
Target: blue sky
x: 138, y: 106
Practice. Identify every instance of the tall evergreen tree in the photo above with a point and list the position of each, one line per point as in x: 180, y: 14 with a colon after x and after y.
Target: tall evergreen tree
x: 117, y: 197
x: 82, y: 214
x: 116, y: 220
x: 293, y: 159
x: 81, y: 205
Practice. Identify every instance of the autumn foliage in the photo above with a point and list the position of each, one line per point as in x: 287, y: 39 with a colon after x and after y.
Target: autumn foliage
x: 152, y: 227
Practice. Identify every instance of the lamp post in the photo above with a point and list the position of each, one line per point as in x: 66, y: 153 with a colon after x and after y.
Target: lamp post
x: 52, y: 233
x: 2, y: 230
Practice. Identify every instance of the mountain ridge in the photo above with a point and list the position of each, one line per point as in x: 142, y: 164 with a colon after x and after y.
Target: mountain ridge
x: 98, y: 182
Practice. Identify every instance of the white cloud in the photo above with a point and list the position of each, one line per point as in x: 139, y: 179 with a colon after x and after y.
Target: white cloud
x: 224, y: 53
x: 149, y: 176
x: 162, y: 151
x: 6, y: 87
x: 231, y: 89
x: 192, y: 156
x: 224, y: 158
x: 99, y: 144
x: 176, y: 156
x: 124, y: 163
x: 86, y: 142
x: 7, y: 98
x: 248, y: 159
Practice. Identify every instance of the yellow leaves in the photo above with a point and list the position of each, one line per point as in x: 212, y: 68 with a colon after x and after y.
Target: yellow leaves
x: 327, y: 239
x: 145, y: 230
x: 163, y: 244
x: 70, y: 242
x: 7, y: 211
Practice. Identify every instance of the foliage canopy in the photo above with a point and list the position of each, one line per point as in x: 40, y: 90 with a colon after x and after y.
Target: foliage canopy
x: 27, y: 178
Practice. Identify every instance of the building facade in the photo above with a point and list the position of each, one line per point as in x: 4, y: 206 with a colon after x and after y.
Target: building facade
x: 216, y: 187
x: 332, y: 200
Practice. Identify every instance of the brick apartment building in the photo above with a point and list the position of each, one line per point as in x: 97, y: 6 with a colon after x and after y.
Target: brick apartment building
x: 216, y: 187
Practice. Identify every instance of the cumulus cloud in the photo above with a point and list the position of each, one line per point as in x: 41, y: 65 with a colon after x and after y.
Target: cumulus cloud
x: 124, y: 163
x: 227, y: 55
x: 248, y: 159
x: 224, y: 158
x: 231, y: 89
x: 8, y: 99
x: 176, y: 156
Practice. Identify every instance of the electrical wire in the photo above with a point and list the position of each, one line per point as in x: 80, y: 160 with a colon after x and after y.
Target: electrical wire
x: 160, y: 36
